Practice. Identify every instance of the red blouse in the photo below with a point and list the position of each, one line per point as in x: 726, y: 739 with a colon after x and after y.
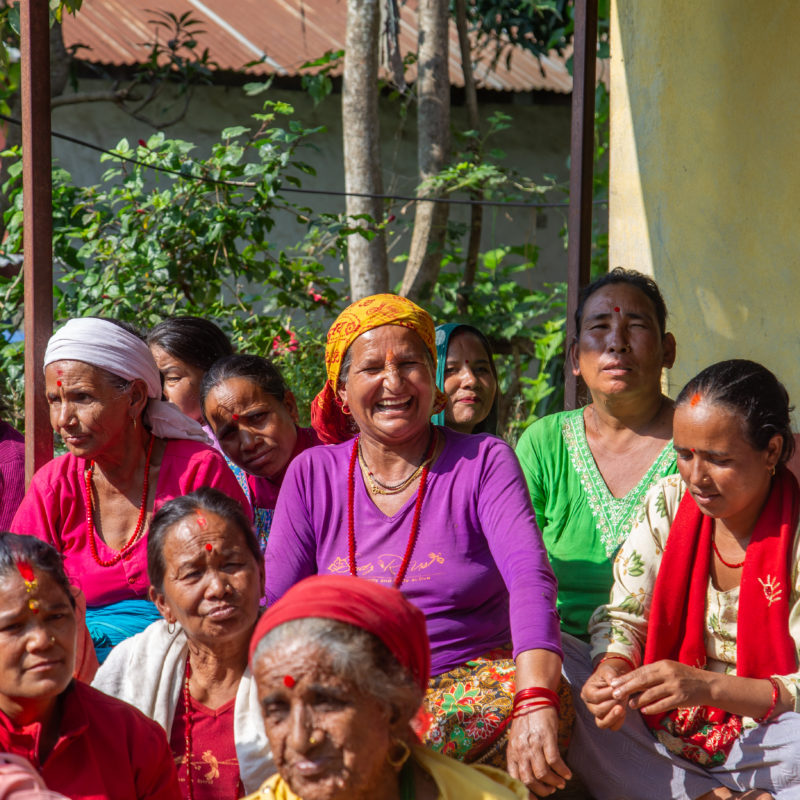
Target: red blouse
x: 214, y: 766
x: 106, y: 749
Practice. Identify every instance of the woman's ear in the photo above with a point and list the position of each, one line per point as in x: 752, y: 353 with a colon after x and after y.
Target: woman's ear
x: 291, y: 406
x: 159, y: 600
x: 774, y: 450
x: 138, y: 398
x: 669, y: 347
x: 573, y: 357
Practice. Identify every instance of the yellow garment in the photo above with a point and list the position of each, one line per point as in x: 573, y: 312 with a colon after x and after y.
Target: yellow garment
x: 454, y: 780
x: 327, y: 417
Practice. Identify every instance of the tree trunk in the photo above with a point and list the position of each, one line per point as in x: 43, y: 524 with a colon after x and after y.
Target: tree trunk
x: 474, y: 122
x: 369, y: 273
x: 433, y: 145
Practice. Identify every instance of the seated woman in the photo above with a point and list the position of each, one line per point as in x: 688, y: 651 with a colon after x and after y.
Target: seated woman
x: 466, y: 373
x: 341, y: 666
x: 129, y: 452
x: 12, y: 470
x: 696, y: 654
x: 189, y: 670
x: 441, y: 515
x: 588, y: 470
x: 254, y: 415
x: 184, y: 348
x: 84, y: 744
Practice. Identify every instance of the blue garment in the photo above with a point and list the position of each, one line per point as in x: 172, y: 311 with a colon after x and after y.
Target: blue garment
x: 443, y: 334
x: 111, y: 624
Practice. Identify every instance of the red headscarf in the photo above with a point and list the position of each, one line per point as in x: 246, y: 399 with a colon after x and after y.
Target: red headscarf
x: 327, y: 418
x: 379, y: 609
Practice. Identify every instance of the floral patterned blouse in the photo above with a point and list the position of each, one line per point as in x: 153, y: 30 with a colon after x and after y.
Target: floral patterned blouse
x: 621, y: 625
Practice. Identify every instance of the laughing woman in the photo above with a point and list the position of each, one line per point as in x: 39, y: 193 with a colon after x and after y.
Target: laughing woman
x: 696, y: 655
x: 443, y: 516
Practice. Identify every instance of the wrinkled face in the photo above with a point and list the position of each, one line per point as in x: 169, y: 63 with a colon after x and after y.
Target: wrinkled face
x: 726, y: 476
x: 390, y: 388
x: 212, y: 583
x: 620, y: 347
x: 469, y: 382
x: 37, y: 649
x: 256, y: 430
x: 86, y: 410
x: 329, y: 741
x: 181, y: 382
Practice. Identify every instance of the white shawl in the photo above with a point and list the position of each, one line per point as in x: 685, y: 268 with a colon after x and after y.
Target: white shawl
x: 147, y: 671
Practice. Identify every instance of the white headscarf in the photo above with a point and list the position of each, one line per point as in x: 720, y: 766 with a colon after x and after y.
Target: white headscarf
x: 103, y: 344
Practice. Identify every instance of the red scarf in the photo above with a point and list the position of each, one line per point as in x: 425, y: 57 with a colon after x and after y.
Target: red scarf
x: 676, y: 629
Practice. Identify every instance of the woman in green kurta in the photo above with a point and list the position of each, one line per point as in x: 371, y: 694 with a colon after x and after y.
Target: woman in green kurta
x: 588, y: 470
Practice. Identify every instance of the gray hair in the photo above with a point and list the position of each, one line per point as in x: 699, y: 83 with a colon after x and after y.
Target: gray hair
x: 355, y: 655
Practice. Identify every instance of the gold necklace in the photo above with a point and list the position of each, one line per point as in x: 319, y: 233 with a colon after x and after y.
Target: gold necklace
x: 376, y: 486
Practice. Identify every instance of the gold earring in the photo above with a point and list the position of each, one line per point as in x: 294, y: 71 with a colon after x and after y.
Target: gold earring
x: 312, y: 740
x: 772, y: 471
x: 52, y: 640
x: 398, y: 762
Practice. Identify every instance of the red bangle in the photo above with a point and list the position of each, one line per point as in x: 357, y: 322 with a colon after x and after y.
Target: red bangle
x: 534, y: 692
x: 523, y: 712
x: 609, y: 656
x: 776, y: 693
x: 536, y: 703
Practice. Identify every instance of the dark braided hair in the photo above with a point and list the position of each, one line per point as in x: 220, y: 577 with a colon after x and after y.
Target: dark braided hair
x: 752, y: 392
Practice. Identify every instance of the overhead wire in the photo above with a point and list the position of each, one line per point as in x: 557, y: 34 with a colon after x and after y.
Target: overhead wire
x: 292, y: 189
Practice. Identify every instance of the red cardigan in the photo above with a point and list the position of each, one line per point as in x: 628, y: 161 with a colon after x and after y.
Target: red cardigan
x: 106, y: 749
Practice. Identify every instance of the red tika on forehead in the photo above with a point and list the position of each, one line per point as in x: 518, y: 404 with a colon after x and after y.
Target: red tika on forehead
x: 31, y: 584
x: 288, y: 681
x: 695, y: 399
x: 209, y: 547
x: 616, y: 308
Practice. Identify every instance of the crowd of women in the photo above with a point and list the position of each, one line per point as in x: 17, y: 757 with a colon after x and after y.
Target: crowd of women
x: 202, y: 599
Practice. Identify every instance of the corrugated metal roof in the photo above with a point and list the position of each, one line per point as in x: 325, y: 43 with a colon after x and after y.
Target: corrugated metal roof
x: 284, y: 34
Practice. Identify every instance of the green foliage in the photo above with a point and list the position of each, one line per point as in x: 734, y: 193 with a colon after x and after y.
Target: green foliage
x: 526, y: 329
x: 143, y: 245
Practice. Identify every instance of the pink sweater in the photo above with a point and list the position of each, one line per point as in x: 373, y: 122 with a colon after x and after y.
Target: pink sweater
x: 54, y: 509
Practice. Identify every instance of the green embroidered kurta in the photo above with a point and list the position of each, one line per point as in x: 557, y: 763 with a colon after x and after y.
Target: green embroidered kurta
x: 582, y: 523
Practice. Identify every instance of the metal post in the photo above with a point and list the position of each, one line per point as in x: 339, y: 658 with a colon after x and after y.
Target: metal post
x: 38, y: 225
x: 579, y: 226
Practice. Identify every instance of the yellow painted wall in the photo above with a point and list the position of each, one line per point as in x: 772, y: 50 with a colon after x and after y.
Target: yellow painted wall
x: 705, y: 173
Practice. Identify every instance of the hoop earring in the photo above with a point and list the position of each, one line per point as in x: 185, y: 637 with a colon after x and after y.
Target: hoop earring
x: 345, y: 409
x: 398, y: 762
x: 170, y: 628
x: 772, y: 471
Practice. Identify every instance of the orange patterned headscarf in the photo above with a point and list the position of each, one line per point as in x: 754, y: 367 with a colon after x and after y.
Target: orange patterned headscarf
x: 329, y: 421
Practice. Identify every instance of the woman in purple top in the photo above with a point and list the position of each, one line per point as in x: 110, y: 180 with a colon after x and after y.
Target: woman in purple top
x: 446, y: 518
x: 12, y: 472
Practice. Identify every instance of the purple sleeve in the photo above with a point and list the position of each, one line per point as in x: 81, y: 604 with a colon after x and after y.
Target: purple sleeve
x: 291, y: 553
x: 508, y: 522
x: 12, y: 480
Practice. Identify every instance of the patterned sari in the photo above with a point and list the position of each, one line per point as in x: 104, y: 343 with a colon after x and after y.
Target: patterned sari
x: 466, y: 713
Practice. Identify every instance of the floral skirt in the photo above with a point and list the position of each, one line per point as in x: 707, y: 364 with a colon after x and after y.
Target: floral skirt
x: 466, y: 713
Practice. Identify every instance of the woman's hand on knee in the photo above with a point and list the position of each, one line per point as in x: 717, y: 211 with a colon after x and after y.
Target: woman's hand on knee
x: 597, y: 694
x: 533, y: 755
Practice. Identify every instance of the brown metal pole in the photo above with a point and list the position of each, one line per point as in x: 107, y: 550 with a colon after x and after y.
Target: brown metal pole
x: 38, y: 225
x: 579, y: 225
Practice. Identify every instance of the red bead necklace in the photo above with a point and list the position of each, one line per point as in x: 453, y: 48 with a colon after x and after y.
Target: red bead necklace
x: 187, y: 731
x: 139, y: 523
x: 412, y: 537
x: 719, y: 556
